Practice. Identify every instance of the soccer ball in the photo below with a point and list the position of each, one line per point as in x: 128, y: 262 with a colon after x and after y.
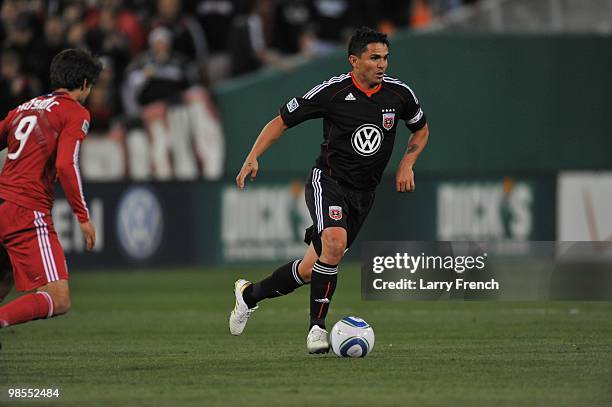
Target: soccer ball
x: 352, y: 337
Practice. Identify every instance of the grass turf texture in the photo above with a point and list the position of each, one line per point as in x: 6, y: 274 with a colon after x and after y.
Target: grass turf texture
x: 161, y: 338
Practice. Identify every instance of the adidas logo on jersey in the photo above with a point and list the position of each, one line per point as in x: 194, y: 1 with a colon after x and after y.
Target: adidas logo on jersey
x: 350, y: 97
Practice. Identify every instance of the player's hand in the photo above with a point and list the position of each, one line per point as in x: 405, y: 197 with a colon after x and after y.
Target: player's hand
x: 404, y: 178
x: 249, y: 167
x: 89, y: 233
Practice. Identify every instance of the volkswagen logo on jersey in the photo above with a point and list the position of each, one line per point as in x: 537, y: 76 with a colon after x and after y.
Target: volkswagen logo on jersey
x: 367, y: 139
x: 140, y: 223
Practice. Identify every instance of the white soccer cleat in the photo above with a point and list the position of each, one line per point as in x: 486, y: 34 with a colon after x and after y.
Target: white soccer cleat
x: 241, y: 313
x: 317, y: 340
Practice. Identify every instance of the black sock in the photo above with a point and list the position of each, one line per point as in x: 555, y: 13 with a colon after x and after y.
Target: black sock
x: 283, y: 281
x: 322, y: 287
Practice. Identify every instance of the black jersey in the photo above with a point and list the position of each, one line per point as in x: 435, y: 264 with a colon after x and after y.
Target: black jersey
x: 358, y: 126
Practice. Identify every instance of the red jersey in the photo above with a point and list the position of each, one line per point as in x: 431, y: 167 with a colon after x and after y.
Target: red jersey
x: 43, y: 137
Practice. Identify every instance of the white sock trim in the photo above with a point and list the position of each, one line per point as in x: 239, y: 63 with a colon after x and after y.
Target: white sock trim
x: 49, y: 300
x: 295, y: 271
x: 325, y: 270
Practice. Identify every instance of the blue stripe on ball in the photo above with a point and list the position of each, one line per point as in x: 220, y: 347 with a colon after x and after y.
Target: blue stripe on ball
x: 349, y: 343
x: 354, y: 322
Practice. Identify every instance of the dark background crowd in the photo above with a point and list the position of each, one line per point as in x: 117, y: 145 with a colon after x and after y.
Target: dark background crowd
x: 154, y: 50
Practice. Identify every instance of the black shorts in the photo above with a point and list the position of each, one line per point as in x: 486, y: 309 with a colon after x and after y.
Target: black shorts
x: 333, y: 205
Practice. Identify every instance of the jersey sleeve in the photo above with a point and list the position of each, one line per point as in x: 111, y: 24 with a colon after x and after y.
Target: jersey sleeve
x: 67, y: 161
x: 412, y: 113
x: 313, y: 105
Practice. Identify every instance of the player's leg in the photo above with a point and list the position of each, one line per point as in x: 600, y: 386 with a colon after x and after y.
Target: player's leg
x: 330, y: 243
x: 328, y: 235
x: 327, y: 206
x: 323, y: 285
x: 39, y: 264
x: 325, y: 274
x: 50, y: 300
x: 6, y: 284
x: 284, y: 280
x: 307, y: 263
x: 6, y: 274
x: 59, y: 291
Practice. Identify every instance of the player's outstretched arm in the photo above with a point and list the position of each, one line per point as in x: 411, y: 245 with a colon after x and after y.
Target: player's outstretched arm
x: 404, y: 176
x: 269, y: 134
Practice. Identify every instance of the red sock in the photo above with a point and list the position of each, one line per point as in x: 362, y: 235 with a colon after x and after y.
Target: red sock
x: 26, y: 308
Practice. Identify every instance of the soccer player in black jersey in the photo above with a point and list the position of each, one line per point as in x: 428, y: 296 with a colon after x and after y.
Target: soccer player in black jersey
x: 361, y: 111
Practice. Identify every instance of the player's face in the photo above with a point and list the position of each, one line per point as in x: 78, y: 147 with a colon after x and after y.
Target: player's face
x: 371, y: 66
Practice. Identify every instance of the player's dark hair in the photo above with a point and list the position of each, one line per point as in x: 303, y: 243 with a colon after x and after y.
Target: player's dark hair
x: 71, y: 67
x: 364, y: 36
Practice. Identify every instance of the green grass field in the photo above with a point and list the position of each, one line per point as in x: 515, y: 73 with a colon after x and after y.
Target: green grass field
x: 161, y: 338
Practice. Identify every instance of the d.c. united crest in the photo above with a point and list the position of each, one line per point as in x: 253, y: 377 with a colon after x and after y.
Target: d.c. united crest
x: 388, y: 120
x: 335, y: 212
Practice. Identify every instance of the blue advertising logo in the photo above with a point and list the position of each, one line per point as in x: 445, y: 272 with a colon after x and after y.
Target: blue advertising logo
x: 140, y: 223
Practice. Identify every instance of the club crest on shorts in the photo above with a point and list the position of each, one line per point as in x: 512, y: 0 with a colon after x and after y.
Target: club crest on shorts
x: 388, y: 118
x: 335, y: 212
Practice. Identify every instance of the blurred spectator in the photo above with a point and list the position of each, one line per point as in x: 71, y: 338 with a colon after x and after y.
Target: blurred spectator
x: 106, y: 39
x: 215, y: 16
x: 187, y: 34
x: 125, y: 22
x: 159, y: 74
x: 421, y: 14
x: 394, y: 15
x: 76, y: 35
x: 73, y: 12
x: 333, y: 22
x: 55, y: 41
x: 247, y: 39
x: 291, y: 18
x: 23, y: 39
x: 103, y: 102
x: 15, y: 86
x: 8, y: 16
